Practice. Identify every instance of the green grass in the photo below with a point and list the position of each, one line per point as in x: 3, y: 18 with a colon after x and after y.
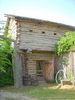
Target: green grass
x: 45, y: 92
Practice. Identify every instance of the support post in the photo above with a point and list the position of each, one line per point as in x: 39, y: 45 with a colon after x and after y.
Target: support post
x: 18, y: 68
x: 73, y: 68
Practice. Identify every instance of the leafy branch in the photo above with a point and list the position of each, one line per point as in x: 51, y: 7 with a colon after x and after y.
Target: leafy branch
x: 65, y: 44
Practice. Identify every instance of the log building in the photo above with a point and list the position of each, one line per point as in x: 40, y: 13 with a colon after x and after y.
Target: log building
x: 34, y: 44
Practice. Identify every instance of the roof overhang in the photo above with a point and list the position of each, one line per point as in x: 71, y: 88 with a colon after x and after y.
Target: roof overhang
x: 37, y: 20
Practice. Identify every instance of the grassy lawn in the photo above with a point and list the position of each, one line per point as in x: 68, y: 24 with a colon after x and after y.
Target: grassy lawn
x: 47, y: 92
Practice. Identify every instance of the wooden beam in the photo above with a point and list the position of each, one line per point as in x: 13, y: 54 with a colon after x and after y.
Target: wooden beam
x: 73, y: 68
x: 18, y: 72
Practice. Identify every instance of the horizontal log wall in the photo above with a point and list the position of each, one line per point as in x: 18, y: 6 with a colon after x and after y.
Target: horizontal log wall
x: 38, y: 36
x: 14, y: 31
x: 30, y: 70
x: 32, y: 58
x: 12, y: 28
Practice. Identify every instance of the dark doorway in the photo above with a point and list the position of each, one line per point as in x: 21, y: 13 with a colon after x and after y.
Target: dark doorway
x: 39, y: 70
x: 45, y: 71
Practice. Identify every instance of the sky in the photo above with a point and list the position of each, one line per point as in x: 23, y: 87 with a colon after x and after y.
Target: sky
x: 60, y: 11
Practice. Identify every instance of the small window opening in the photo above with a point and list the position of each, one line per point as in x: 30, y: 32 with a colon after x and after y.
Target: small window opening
x: 55, y: 33
x: 43, y: 32
x: 30, y: 30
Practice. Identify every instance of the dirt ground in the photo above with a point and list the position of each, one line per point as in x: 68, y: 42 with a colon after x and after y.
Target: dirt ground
x: 13, y: 96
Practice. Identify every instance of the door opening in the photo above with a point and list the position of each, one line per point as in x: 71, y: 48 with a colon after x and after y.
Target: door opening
x: 39, y: 69
x: 45, y: 70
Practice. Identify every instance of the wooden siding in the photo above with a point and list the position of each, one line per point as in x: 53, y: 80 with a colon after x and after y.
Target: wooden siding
x: 37, y: 36
x: 32, y: 58
x: 12, y: 28
x: 14, y: 31
x: 30, y: 76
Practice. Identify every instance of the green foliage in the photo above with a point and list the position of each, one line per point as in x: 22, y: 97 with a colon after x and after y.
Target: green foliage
x: 64, y: 61
x: 4, y: 51
x: 65, y: 43
x: 59, y: 79
x: 6, y: 74
x: 69, y: 76
x: 6, y: 79
x: 38, y: 66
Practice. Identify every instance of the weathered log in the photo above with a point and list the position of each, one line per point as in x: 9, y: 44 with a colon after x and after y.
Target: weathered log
x: 18, y: 72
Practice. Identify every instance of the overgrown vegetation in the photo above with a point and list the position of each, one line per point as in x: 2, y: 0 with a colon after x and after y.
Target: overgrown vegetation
x: 65, y: 44
x: 6, y: 73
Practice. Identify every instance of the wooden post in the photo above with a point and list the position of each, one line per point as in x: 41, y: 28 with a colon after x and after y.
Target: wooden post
x: 18, y: 69
x: 73, y: 68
